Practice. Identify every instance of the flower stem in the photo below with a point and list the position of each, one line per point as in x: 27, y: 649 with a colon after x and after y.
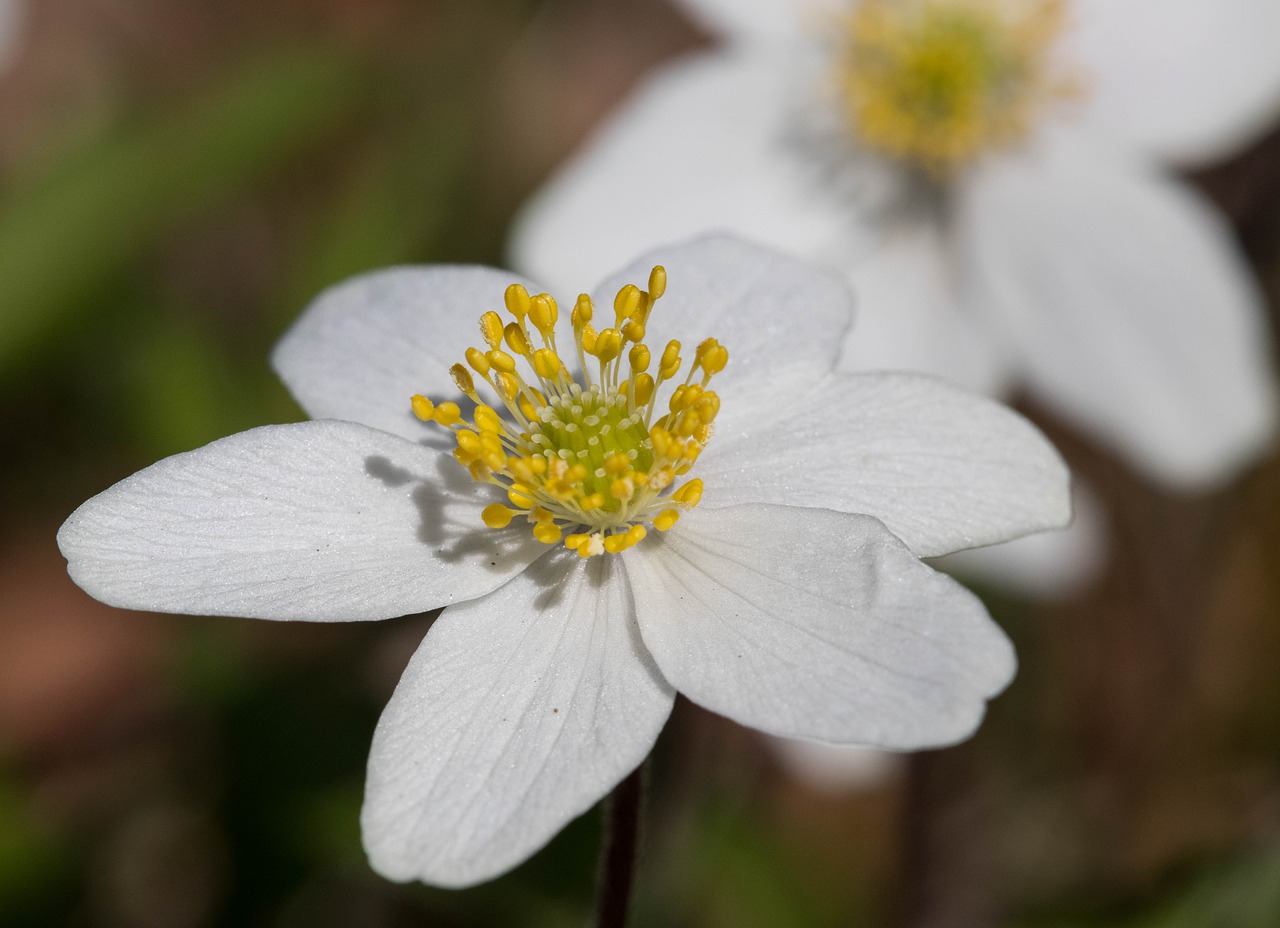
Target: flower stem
x: 618, y: 850
x: 948, y: 870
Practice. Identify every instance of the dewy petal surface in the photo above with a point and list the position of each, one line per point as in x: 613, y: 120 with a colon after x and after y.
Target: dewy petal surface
x: 1190, y: 80
x: 706, y: 144
x: 1122, y: 295
x: 324, y: 521
x: 516, y: 714
x: 816, y: 624
x: 365, y: 346
x: 768, y: 310
x: 944, y: 469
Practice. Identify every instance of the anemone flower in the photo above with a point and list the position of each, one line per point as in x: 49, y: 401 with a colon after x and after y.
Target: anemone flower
x: 586, y: 575
x: 985, y: 172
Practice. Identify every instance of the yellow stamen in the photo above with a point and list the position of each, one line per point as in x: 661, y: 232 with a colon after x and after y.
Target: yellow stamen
x: 588, y: 463
x: 936, y: 82
x: 422, y: 407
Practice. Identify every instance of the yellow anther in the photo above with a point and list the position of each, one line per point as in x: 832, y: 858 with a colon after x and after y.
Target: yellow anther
x: 689, y: 396
x: 589, y: 339
x: 622, y: 489
x: 689, y: 424
x: 469, y: 442
x: 547, y: 532
x: 502, y: 361
x: 690, y: 494
x: 576, y: 541
x: 508, y: 384
x: 422, y: 407
x: 714, y: 358
x: 616, y: 543
x: 462, y: 379
x: 657, y: 282
x: 528, y: 408
x: 517, y: 301
x: 497, y: 516
x: 644, y: 389
x: 633, y: 331
x: 592, y: 502
x: 491, y: 329
x: 626, y: 303
x: 487, y: 419
x: 665, y: 519
x: 639, y: 358
x: 515, y: 339
x: 546, y: 364
x: 446, y: 414
x: 543, y: 313
x: 709, y: 406
x: 608, y: 345
x: 670, y: 362
x: 479, y: 363
x: 636, y: 534
x: 582, y: 311
x: 521, y: 496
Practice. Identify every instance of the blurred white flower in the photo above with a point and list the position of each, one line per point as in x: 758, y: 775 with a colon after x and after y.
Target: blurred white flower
x: 983, y: 170
x: 792, y: 599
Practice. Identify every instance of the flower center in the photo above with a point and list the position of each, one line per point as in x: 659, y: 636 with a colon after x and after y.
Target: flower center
x: 935, y: 82
x: 589, y: 455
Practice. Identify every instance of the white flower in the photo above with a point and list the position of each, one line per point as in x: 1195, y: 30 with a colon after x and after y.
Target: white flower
x: 983, y: 171
x: 784, y: 601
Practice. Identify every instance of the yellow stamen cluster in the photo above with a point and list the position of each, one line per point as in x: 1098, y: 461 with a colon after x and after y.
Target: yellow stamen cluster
x: 935, y: 82
x: 588, y: 462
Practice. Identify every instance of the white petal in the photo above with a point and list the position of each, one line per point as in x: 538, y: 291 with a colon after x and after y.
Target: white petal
x: 1045, y: 565
x: 1191, y: 80
x: 363, y: 348
x: 327, y: 521
x: 516, y: 714
x: 942, y: 468
x: 708, y: 144
x: 1124, y: 297
x: 910, y: 317
x: 768, y: 310
x: 816, y: 624
x: 768, y: 20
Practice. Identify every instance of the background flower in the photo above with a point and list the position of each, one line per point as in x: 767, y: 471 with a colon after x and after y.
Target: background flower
x: 1068, y: 266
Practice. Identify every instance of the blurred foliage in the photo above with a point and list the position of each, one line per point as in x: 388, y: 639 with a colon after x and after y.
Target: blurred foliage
x: 66, y: 230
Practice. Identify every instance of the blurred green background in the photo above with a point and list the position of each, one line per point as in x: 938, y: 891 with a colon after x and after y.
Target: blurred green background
x: 177, y: 179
